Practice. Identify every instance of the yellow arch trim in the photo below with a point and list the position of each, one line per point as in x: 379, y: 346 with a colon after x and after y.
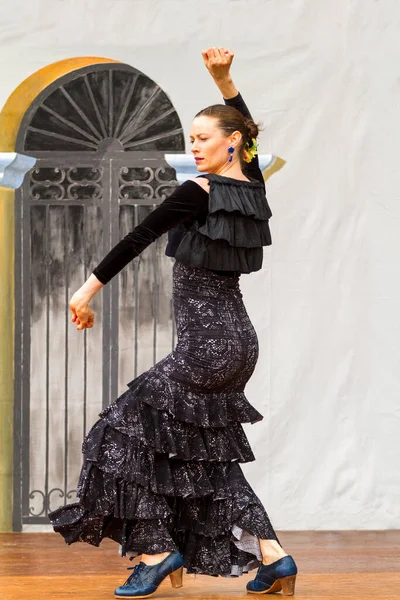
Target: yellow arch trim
x: 276, y: 166
x: 23, y: 96
x: 10, y: 121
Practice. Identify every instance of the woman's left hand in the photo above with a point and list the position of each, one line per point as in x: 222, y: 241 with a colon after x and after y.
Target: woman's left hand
x: 82, y: 314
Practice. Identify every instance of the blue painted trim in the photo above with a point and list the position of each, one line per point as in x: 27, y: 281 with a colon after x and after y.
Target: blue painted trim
x: 13, y: 167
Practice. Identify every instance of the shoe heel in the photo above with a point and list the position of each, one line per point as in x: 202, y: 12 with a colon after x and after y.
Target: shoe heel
x: 176, y: 578
x: 288, y: 584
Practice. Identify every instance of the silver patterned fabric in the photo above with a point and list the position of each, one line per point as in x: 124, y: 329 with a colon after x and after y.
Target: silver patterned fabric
x: 161, y: 468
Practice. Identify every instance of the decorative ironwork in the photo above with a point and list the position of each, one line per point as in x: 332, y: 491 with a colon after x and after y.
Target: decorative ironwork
x: 145, y: 183
x: 99, y: 135
x: 74, y: 183
x: 46, y: 501
x: 115, y: 102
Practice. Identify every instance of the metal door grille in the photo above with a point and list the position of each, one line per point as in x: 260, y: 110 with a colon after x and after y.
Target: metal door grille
x: 82, y: 197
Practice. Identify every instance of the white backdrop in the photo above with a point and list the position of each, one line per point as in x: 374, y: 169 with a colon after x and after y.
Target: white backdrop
x: 323, y: 78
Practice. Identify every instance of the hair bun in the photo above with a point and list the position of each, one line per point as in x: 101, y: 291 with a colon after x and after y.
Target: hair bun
x: 252, y: 128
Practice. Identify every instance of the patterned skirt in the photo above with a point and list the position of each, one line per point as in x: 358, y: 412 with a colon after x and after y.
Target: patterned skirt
x: 161, y: 469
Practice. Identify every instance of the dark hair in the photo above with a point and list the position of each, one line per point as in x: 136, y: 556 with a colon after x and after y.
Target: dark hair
x: 230, y: 120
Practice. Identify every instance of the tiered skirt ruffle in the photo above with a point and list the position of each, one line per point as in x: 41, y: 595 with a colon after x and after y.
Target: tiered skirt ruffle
x: 161, y: 472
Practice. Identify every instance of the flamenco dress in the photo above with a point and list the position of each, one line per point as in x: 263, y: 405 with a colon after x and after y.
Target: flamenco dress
x: 161, y: 467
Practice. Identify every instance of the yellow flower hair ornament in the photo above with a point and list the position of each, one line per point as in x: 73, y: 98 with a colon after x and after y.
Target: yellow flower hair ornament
x: 250, y: 151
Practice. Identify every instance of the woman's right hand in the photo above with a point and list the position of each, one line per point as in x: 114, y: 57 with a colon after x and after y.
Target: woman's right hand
x: 218, y: 62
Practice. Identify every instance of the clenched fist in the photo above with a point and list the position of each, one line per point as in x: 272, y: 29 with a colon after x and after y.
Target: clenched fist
x: 82, y: 315
x: 218, y: 62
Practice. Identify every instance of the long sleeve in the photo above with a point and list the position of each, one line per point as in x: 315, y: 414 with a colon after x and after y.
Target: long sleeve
x: 252, y: 169
x: 188, y: 201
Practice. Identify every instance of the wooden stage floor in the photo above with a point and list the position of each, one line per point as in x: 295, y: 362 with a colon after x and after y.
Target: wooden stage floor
x: 332, y: 565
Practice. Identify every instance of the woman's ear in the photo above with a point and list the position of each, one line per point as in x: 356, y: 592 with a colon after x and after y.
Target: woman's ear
x: 235, y: 139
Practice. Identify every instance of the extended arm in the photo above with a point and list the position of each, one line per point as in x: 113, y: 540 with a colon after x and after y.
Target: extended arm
x: 188, y: 201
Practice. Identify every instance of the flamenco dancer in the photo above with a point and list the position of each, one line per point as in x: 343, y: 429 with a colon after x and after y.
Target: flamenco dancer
x: 161, y: 472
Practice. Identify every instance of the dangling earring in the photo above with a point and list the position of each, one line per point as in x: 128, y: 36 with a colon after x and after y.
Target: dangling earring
x: 231, y: 150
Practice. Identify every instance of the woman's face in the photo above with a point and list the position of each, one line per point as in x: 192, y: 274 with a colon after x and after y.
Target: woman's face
x: 209, y: 144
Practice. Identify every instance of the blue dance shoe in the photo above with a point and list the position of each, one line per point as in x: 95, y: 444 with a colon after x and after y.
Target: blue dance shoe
x: 276, y: 577
x: 145, y: 580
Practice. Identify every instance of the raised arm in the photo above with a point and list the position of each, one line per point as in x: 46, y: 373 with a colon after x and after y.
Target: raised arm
x: 218, y: 62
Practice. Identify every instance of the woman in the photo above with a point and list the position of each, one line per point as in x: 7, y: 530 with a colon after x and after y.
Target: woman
x: 161, y: 471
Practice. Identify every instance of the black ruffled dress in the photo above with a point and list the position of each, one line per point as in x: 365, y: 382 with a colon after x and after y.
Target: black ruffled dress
x: 161, y: 468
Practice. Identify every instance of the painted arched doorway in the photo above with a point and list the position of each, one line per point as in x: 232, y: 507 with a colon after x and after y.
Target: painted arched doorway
x: 99, y: 134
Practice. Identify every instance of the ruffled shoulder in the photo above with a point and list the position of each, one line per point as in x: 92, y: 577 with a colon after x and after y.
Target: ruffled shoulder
x: 235, y: 230
x: 231, y: 195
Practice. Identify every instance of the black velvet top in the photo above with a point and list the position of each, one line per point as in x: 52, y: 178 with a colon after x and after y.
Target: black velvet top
x: 187, y: 209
